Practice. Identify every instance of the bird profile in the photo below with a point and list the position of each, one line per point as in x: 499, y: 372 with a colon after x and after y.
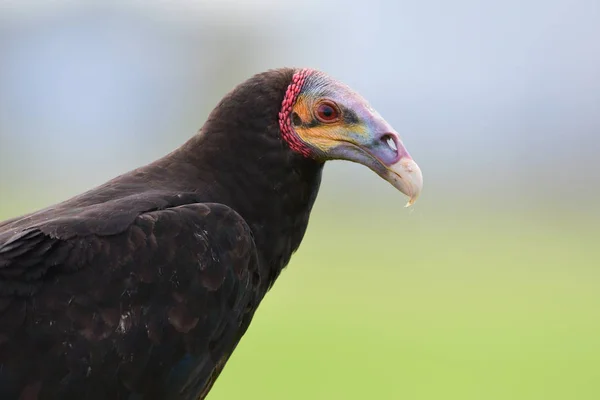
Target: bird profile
x: 142, y: 287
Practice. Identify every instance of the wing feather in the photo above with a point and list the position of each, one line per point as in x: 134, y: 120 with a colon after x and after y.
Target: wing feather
x: 149, y: 309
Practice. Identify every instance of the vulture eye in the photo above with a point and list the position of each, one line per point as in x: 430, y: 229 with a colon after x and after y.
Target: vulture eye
x: 327, y: 111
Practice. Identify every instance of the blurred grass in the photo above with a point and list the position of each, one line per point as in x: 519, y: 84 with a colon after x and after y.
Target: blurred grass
x: 452, y: 303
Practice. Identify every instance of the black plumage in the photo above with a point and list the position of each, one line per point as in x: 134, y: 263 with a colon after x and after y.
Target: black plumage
x: 141, y: 288
x: 144, y: 285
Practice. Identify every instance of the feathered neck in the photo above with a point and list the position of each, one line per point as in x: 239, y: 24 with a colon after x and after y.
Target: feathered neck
x: 245, y: 163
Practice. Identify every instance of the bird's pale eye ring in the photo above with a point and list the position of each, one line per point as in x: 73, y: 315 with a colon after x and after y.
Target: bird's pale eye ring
x: 327, y: 111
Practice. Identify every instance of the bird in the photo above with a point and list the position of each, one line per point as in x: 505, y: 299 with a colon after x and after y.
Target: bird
x: 141, y: 288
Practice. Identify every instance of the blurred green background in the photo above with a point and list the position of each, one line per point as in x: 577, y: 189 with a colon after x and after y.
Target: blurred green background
x: 488, y: 288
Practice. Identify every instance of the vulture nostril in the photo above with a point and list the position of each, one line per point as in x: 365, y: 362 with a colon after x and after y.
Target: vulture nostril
x: 389, y: 140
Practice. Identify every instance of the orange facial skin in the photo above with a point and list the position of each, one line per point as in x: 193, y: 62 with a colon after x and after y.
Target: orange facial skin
x: 324, y: 136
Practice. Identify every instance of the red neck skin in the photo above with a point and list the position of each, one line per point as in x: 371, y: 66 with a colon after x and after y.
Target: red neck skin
x: 285, y: 122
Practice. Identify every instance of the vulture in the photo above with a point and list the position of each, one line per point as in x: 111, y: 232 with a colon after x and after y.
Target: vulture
x: 142, y: 287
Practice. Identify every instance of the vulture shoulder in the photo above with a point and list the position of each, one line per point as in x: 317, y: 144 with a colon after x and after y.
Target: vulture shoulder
x: 132, y: 305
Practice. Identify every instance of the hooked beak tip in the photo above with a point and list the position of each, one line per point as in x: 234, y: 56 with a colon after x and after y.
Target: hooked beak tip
x: 406, y: 176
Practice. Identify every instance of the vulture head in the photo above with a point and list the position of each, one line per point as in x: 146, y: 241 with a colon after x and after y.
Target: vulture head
x: 324, y: 119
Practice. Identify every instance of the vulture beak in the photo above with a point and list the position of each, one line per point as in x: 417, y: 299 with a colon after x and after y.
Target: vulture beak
x: 406, y: 176
x: 382, y: 151
x: 391, y: 160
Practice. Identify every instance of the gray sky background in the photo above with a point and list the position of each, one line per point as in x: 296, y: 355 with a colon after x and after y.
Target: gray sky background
x: 492, y: 98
